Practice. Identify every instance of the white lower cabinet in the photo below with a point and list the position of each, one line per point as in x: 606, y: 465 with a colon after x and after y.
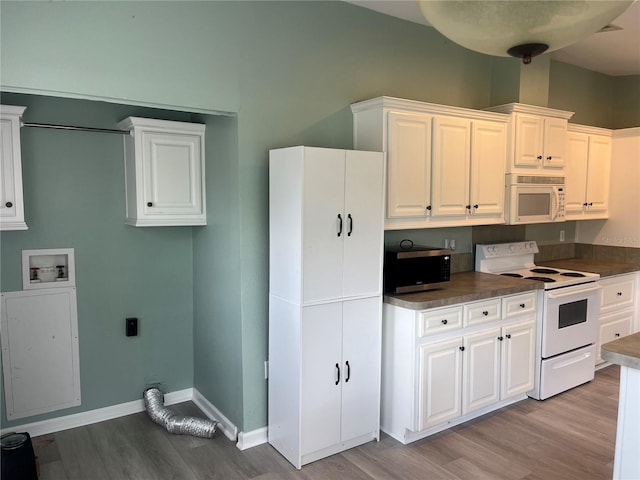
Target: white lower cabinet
x: 468, y: 373
x: 478, y: 365
x: 324, y: 377
x: 618, y: 309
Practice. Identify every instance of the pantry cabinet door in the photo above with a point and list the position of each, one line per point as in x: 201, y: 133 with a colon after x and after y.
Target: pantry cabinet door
x: 361, y: 353
x: 488, y: 159
x: 439, y: 382
x: 364, y: 224
x: 450, y: 166
x: 321, y: 387
x: 324, y: 224
x: 409, y: 164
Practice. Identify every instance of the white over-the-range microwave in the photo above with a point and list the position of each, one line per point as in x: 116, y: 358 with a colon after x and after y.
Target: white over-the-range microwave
x: 534, y: 199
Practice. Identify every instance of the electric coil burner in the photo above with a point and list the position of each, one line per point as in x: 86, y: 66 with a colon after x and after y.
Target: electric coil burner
x: 567, y: 323
x: 516, y: 260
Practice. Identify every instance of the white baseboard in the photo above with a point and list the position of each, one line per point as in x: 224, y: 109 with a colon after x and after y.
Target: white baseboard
x: 252, y: 438
x: 224, y: 424
x: 66, y: 422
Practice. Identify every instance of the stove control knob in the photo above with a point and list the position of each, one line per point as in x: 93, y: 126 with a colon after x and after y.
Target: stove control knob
x: 512, y: 248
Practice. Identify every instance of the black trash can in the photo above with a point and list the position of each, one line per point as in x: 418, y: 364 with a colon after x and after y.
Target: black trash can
x: 18, y: 458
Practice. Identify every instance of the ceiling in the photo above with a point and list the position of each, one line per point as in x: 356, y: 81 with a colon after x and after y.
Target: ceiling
x: 613, y: 53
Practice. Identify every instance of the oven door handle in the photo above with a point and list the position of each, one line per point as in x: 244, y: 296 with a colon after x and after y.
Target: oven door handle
x: 571, y: 361
x: 571, y: 291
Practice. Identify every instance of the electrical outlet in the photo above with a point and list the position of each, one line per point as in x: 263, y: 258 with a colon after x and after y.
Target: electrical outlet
x: 131, y: 327
x: 562, y: 235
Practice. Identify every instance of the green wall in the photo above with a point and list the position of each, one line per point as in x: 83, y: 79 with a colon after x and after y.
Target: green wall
x: 626, y: 101
x: 74, y: 197
x: 288, y: 72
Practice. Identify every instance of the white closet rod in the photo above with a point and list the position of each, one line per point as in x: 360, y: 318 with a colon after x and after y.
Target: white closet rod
x: 70, y: 127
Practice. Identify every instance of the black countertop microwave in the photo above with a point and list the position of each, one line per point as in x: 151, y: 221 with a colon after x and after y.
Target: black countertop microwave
x: 414, y: 268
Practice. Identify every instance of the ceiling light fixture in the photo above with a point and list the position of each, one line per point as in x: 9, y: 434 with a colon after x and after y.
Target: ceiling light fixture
x: 520, y: 28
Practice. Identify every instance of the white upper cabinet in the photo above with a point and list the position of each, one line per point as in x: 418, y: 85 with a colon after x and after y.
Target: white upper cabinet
x: 445, y: 165
x: 11, y: 206
x: 538, y: 139
x: 164, y: 173
x: 588, y: 173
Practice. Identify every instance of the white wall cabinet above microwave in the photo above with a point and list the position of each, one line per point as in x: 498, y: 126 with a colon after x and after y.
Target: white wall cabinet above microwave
x: 445, y: 165
x: 164, y: 171
x: 588, y: 172
x: 538, y: 139
x: 11, y: 205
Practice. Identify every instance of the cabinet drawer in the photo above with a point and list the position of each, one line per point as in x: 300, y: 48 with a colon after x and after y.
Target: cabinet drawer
x: 613, y: 327
x: 519, y: 304
x: 617, y: 293
x: 440, y: 320
x: 481, y: 312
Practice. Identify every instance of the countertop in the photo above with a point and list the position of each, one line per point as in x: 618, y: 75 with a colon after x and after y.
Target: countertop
x: 464, y: 287
x: 625, y: 351
x: 471, y: 286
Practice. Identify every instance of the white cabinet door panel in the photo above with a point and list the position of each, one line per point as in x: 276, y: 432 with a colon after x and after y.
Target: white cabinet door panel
x: 481, y: 370
x: 555, y: 143
x: 488, y: 154
x: 172, y: 180
x: 361, y: 328
x: 364, y: 224
x: 324, y: 224
x: 529, y: 135
x: 518, y: 357
x: 7, y: 169
x: 576, y: 173
x: 409, y: 166
x: 439, y: 390
x: 450, y: 166
x: 599, y: 174
x: 321, y: 354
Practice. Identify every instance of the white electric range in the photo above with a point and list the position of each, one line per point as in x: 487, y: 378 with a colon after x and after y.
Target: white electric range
x: 567, y: 330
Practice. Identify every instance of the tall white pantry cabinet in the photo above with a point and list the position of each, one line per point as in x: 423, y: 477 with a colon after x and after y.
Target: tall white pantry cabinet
x: 325, y: 300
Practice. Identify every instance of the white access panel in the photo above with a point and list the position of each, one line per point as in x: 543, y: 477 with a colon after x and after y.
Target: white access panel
x: 40, y: 361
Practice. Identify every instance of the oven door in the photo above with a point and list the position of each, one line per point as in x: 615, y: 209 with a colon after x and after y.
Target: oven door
x: 570, y: 318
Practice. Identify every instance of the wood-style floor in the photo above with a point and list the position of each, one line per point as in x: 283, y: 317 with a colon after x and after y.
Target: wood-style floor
x: 570, y: 436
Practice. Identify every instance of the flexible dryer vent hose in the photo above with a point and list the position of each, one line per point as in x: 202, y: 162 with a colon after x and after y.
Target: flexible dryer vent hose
x: 178, y: 424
